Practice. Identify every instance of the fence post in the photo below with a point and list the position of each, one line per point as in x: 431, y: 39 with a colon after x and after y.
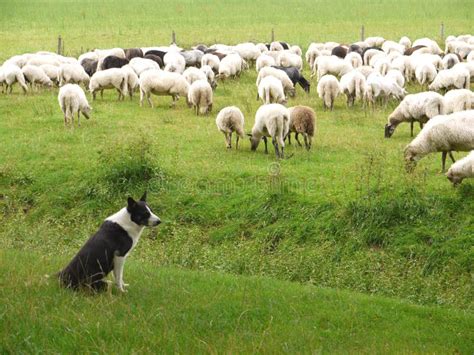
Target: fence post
x: 441, y: 30
x: 59, y: 44
x: 173, y: 37
x: 273, y: 35
x: 362, y: 33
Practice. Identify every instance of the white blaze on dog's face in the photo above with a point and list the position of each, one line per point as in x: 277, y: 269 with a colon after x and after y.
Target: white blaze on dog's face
x: 153, y: 220
x: 141, y: 214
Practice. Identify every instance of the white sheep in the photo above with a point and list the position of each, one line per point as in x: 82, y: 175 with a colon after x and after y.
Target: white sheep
x: 370, y: 53
x: 331, y: 65
x: 425, y: 73
x: 272, y: 120
x: 36, y: 75
x: 328, y: 90
x: 52, y: 72
x: 392, y: 46
x: 429, y: 43
x: 264, y: 60
x: 382, y: 65
x: 456, y: 77
x: 383, y: 87
x: 72, y: 101
x: 312, y: 53
x: 18, y: 60
x: 458, y: 100
x: 104, y: 53
x: 230, y: 66
x: 288, y: 86
x: 450, y: 60
x: 288, y: 59
x: 73, y: 73
x: 461, y: 169
x: 162, y: 83
x: 374, y: 41
x: 354, y: 59
x: 38, y: 60
x: 113, y: 78
x: 131, y: 78
x: 445, y: 133
x: 469, y: 66
x: 211, y: 60
x: 12, y: 74
x: 353, y: 85
x: 419, y: 107
x: 405, y: 41
x: 397, y: 76
x: 366, y: 70
x: 248, y: 51
x: 270, y: 90
x: 276, y: 46
x: 193, y: 74
x: 139, y: 65
x: 230, y: 119
x: 174, y: 62
x: 200, y: 96
x: 210, y: 76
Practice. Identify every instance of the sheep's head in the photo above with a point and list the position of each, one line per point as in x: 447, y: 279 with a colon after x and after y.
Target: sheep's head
x: 455, y: 179
x: 254, y: 142
x: 86, y: 111
x: 291, y: 92
x: 411, y: 158
x: 389, y: 129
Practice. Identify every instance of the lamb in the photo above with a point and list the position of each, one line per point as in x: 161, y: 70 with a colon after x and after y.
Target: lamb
x: 456, y: 77
x: 139, y: 65
x: 200, y: 96
x: 230, y: 119
x: 328, y: 90
x: 73, y: 73
x: 162, y: 83
x: 211, y: 60
x: 174, y: 62
x: 444, y: 133
x: 425, y: 73
x: 113, y: 61
x: 288, y: 86
x: 461, y: 169
x: 72, y: 100
x: 13, y: 74
x: 193, y: 74
x: 302, y: 121
x: 210, y: 76
x: 109, y: 79
x: 270, y: 90
x: 458, y: 100
x: 415, y: 107
x: 287, y: 59
x: 353, y: 85
x: 34, y: 74
x: 264, y: 61
x: 331, y: 65
x: 131, y: 78
x: 272, y: 120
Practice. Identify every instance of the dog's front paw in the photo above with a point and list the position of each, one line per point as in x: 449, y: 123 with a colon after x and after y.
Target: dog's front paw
x: 121, y: 287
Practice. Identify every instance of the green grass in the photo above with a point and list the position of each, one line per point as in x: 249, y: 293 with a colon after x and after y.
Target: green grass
x: 169, y: 310
x: 345, y: 216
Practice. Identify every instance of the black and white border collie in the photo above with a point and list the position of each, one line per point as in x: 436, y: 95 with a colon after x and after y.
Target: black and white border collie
x: 107, y: 249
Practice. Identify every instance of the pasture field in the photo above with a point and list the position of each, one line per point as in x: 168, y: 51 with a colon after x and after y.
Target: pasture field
x: 345, y: 216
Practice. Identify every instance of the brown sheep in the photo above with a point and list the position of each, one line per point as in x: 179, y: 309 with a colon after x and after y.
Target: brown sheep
x: 302, y: 121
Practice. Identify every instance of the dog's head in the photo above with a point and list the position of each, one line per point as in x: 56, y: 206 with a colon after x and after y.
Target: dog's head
x: 141, y: 213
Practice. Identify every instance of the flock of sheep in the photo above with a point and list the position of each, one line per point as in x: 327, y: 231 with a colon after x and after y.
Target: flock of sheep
x: 371, y: 71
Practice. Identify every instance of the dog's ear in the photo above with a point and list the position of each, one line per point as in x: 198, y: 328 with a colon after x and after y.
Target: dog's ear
x: 131, y: 202
x: 143, y: 198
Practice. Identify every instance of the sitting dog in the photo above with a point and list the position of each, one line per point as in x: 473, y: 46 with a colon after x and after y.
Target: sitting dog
x: 107, y: 249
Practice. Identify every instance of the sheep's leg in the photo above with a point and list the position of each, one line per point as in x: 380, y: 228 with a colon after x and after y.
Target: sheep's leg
x: 452, y: 156
x: 93, y: 95
x: 79, y: 118
x: 101, y: 94
x: 443, y: 161
x: 289, y: 138
x: 142, y: 96
x: 307, y: 145
x: 275, y: 145
x: 266, y: 147
x: 149, y: 99
x: 230, y: 140
x: 297, y: 140
x: 257, y: 96
x: 65, y: 120
x: 120, y: 94
x: 411, y: 127
x: 237, y: 142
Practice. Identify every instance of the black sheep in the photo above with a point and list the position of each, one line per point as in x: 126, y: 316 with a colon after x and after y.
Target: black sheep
x: 339, y: 51
x: 296, y: 77
x: 89, y: 65
x: 113, y: 62
x: 158, y: 53
x: 133, y: 52
x: 154, y: 58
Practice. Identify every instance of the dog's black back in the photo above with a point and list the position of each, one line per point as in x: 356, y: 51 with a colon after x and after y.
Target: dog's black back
x: 95, y: 259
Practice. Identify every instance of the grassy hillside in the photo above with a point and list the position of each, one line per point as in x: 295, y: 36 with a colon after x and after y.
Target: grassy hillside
x: 346, y: 215
x: 171, y: 310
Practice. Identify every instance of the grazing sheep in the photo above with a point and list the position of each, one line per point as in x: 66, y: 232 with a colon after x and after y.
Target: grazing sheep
x: 36, y: 75
x: 37, y: 60
x: 469, y: 66
x: 339, y: 51
x: 89, y: 65
x: 456, y: 77
x: 462, y: 169
x: 193, y: 74
x: 174, y: 62
x: 331, y: 65
x: 139, y: 65
x: 458, y: 100
x: 311, y: 54
x: 374, y: 41
x: 366, y: 70
x: 415, y: 107
x: 296, y: 77
x: 264, y: 60
x: 296, y: 50
x: 154, y: 58
x: 368, y: 53
x: 302, y: 121
x: 103, y: 53
x: 52, y: 72
x: 200, y: 96
x: 287, y: 59
x: 211, y: 60
x: 328, y: 90
x: 354, y: 59
x: 391, y: 46
x: 72, y: 101
x: 113, y: 61
x: 87, y: 55
x: 247, y: 51
x: 73, y: 74
x: 133, y: 53
x: 13, y: 74
x: 425, y: 73
x: 450, y: 60
x: 444, y: 133
x: 192, y: 58
x: 382, y: 66
x: 230, y: 119
x: 109, y: 79
x: 430, y: 44
x: 270, y: 90
x: 161, y: 83
x: 272, y: 120
x: 131, y: 78
x: 353, y: 85
x: 397, y: 76
x: 383, y: 87
x: 405, y: 41
x: 231, y: 66
x: 210, y: 76
x: 288, y: 86
x: 276, y: 46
